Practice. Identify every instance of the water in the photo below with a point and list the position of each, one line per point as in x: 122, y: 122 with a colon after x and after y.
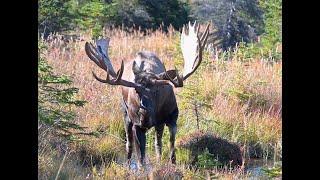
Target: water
x: 255, y: 167
x: 134, y: 164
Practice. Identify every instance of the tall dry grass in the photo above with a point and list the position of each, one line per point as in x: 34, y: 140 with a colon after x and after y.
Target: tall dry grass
x: 243, y: 98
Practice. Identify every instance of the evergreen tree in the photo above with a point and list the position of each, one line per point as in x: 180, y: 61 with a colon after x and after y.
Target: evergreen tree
x: 56, y: 97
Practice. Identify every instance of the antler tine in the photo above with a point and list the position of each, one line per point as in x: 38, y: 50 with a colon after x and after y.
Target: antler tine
x: 201, y: 44
x: 101, y: 80
x: 94, y: 50
x: 192, y: 46
x: 190, y: 26
x: 205, y: 36
x: 120, y: 72
x: 93, y: 55
x: 183, y: 30
x: 198, y: 29
x: 117, y: 80
x: 102, y: 60
x: 90, y: 54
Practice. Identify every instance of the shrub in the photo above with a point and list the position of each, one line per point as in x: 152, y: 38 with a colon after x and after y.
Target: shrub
x: 207, y: 150
x: 207, y: 160
x: 55, y: 99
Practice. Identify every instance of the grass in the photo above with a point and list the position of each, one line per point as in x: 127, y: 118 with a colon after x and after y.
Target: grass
x: 237, y: 100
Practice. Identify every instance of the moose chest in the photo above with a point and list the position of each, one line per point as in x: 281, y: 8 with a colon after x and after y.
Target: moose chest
x: 149, y: 113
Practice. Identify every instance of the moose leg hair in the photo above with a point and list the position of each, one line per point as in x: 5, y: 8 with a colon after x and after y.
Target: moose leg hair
x: 140, y: 143
x: 129, y: 136
x: 172, y: 125
x: 158, y: 141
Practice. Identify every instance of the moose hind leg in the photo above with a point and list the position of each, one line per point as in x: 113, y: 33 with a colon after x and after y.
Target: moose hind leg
x: 158, y: 141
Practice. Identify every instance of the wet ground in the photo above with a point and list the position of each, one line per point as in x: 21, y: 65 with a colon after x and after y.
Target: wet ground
x: 254, y: 167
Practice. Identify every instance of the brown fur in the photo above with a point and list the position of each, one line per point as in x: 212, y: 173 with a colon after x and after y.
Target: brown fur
x: 164, y: 105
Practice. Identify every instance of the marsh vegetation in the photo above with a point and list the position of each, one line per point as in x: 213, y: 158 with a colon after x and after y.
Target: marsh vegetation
x: 229, y: 125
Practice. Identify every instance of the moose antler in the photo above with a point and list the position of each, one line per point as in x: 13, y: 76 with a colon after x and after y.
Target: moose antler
x: 99, y: 55
x: 192, y: 47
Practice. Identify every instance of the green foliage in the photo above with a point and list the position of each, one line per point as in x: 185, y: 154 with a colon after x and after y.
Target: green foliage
x: 166, y: 12
x: 207, y: 160
x: 253, y: 26
x: 55, y: 15
x: 235, y: 21
x: 65, y: 15
x: 273, y: 172
x: 93, y: 15
x: 55, y: 99
x: 269, y: 45
x: 183, y: 156
x: 273, y: 34
x: 273, y: 20
x: 131, y: 14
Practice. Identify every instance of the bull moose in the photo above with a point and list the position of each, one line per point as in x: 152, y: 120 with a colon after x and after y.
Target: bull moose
x: 148, y: 99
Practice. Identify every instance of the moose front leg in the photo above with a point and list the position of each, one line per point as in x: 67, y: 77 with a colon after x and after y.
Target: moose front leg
x: 129, y: 138
x: 172, y: 125
x: 140, y: 144
x: 172, y: 132
x: 158, y: 141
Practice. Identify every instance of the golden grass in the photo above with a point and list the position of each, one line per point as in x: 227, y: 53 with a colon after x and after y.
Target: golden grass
x: 244, y: 98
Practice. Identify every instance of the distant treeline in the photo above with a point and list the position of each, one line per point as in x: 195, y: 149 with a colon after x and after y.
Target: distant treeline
x: 235, y: 20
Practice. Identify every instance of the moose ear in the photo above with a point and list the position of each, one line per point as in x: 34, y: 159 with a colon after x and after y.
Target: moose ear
x: 171, y: 73
x: 135, y: 68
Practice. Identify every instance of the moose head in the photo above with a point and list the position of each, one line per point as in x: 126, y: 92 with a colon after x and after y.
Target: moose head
x: 148, y: 98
